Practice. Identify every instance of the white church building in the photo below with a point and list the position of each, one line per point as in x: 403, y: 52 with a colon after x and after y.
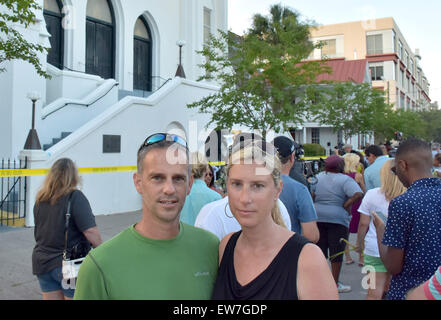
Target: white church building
x: 112, y: 65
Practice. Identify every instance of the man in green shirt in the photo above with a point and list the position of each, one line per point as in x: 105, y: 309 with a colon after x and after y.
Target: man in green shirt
x: 159, y: 257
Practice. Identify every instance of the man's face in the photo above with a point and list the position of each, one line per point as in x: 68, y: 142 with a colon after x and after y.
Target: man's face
x: 347, y: 150
x: 163, y: 184
x: 371, y: 158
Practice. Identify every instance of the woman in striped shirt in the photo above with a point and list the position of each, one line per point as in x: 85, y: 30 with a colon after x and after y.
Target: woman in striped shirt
x: 429, y: 290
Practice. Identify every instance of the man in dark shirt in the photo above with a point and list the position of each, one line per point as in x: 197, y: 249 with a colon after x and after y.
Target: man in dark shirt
x: 411, y: 247
x: 295, y: 196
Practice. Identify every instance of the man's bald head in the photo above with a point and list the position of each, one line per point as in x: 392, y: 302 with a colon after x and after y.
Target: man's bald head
x: 416, y: 153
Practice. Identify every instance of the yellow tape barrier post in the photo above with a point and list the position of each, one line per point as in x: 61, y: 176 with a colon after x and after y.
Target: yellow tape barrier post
x: 6, y: 173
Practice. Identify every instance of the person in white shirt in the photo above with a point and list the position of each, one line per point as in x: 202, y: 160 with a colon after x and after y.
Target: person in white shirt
x: 217, y: 218
x: 377, y: 200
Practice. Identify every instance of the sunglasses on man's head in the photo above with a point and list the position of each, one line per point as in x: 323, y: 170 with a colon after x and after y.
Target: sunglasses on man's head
x: 159, y: 137
x: 394, y: 170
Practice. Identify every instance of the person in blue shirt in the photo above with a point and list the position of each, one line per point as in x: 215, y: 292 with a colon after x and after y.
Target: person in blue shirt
x: 200, y: 193
x: 410, y: 243
x: 295, y: 196
x: 376, y: 159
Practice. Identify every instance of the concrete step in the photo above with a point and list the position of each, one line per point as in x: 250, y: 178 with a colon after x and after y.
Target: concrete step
x: 65, y: 134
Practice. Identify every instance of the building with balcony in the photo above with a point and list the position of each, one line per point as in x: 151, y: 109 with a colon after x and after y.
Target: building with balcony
x: 393, y: 65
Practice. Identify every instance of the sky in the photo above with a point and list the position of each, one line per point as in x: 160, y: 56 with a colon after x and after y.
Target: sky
x: 418, y: 21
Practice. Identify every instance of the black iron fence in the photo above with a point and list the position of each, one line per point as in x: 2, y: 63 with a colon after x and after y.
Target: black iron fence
x: 12, y: 194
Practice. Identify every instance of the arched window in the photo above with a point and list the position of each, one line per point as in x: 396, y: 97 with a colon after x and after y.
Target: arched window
x: 100, y: 39
x: 53, y: 17
x: 142, y: 56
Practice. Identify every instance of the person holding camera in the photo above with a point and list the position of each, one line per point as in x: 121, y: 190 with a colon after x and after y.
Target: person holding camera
x: 295, y: 196
x: 50, y: 207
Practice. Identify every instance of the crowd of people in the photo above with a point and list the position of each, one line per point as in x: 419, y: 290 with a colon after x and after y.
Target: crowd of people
x: 266, y: 236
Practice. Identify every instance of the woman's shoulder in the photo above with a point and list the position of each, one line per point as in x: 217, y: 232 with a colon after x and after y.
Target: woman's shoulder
x: 223, y: 244
x: 78, y: 195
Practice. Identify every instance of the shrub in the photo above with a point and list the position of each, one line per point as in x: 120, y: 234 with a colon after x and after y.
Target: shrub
x: 313, y: 149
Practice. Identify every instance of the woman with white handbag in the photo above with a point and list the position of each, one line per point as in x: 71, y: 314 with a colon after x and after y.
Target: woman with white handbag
x: 65, y: 229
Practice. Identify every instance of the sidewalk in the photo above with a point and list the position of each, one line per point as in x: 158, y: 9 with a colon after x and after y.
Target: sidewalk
x: 16, y: 245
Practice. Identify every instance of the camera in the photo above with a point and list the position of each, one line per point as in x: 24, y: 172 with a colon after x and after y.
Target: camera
x: 340, y: 150
x: 299, y: 152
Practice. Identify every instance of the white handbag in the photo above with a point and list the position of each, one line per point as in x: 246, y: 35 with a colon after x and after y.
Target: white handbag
x: 71, y: 268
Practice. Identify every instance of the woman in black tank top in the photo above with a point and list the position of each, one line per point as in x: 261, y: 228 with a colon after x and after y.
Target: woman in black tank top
x: 266, y: 260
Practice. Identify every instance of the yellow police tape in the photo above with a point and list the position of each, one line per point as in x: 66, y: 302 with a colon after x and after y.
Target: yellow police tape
x: 9, y: 173
x: 41, y: 172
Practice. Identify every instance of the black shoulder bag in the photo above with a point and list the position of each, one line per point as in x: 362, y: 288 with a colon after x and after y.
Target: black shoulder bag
x: 73, y: 257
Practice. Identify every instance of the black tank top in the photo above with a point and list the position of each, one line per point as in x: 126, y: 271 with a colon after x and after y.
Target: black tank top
x: 277, y: 282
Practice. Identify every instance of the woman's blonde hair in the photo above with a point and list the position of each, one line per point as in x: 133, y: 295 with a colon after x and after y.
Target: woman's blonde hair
x: 199, y: 165
x: 391, y: 186
x: 253, y: 153
x: 352, y: 161
x: 62, y: 179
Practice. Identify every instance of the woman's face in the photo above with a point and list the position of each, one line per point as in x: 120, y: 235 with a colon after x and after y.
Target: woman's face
x: 208, y: 177
x: 251, y: 193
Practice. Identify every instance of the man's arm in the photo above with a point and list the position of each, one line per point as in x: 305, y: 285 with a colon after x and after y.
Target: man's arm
x: 310, y: 231
x: 307, y: 216
x: 393, y: 258
x: 429, y: 290
x: 417, y: 293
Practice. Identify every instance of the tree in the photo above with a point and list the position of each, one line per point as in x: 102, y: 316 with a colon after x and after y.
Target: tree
x: 408, y: 123
x: 262, y: 75
x: 350, y: 107
x: 12, y: 44
x: 432, y: 120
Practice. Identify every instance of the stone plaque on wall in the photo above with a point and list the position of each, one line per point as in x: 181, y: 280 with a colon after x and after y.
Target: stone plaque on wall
x: 111, y: 143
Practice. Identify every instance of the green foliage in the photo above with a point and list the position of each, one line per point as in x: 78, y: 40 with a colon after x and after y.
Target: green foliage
x: 12, y: 44
x: 262, y: 76
x: 409, y: 123
x: 313, y: 149
x: 432, y: 121
x: 350, y: 107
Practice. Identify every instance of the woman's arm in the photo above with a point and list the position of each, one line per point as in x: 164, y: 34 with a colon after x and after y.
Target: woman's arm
x: 360, y: 180
x: 363, y: 227
x: 93, y: 236
x: 314, y: 278
x: 347, y: 205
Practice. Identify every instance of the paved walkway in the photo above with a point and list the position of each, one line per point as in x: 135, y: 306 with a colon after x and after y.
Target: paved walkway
x: 16, y: 245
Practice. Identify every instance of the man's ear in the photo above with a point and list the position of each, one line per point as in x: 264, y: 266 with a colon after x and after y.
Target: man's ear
x: 404, y: 164
x: 293, y: 157
x: 137, y: 182
x: 190, y: 184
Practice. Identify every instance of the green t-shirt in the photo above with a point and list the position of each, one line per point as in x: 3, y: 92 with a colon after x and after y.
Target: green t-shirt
x: 132, y: 267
